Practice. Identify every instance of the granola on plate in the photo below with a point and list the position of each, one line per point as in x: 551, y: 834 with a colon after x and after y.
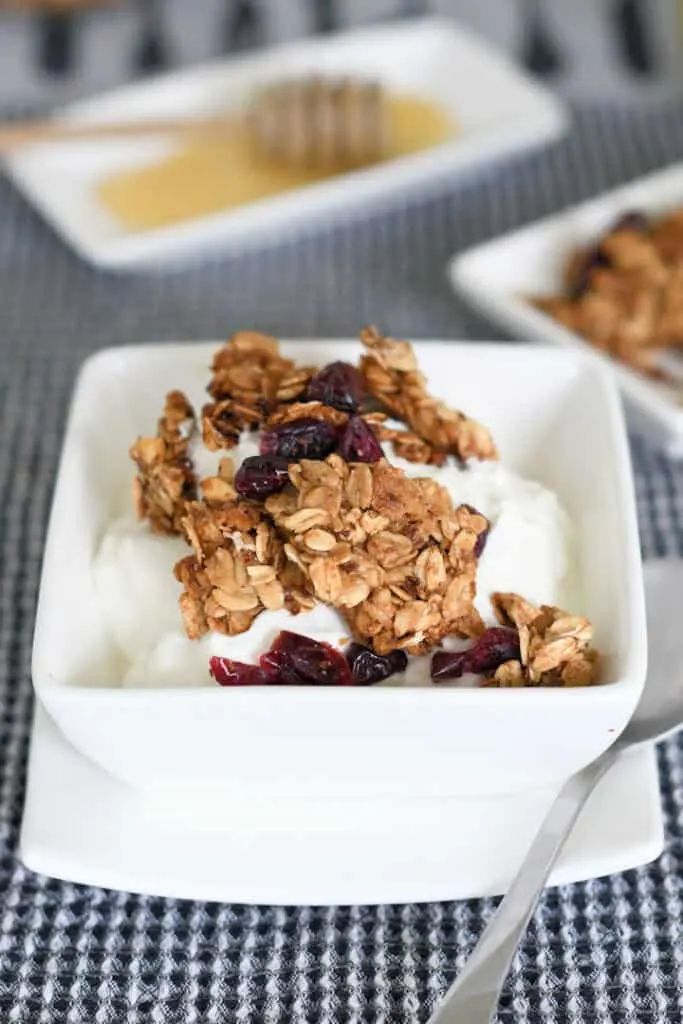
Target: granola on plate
x: 624, y: 293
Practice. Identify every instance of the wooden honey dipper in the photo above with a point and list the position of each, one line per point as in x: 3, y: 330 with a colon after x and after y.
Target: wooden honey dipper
x: 311, y: 122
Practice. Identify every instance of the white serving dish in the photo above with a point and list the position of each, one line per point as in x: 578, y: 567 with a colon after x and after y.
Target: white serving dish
x: 83, y: 825
x: 496, y: 276
x: 500, y: 109
x: 322, y: 851
x: 368, y: 741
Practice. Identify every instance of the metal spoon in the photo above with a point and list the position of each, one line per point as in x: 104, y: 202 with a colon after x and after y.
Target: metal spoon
x: 473, y: 997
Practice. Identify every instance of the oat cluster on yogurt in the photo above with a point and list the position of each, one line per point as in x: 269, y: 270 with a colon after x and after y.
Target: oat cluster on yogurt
x: 322, y: 516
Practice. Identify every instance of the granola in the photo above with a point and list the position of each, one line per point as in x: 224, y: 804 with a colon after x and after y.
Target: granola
x: 389, y: 551
x: 555, y: 647
x: 166, y: 480
x: 408, y: 445
x: 237, y: 569
x: 624, y: 294
x: 306, y: 410
x: 392, y: 376
x: 249, y: 379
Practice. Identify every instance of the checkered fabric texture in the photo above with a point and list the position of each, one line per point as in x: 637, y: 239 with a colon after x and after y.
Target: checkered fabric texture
x: 608, y: 951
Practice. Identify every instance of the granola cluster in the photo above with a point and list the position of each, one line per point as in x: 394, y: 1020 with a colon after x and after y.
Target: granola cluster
x: 250, y: 377
x: 237, y: 569
x: 392, y: 376
x: 555, y: 647
x: 391, y: 552
x: 166, y: 479
x: 625, y: 293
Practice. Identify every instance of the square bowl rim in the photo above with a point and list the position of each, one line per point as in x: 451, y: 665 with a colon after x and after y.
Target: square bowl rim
x: 49, y: 686
x: 466, y: 278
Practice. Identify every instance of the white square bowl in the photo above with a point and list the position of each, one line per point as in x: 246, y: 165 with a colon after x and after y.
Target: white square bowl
x: 500, y: 111
x: 495, y: 278
x: 556, y: 417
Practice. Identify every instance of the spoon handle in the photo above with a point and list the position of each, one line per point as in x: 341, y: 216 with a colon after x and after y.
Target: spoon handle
x: 473, y: 996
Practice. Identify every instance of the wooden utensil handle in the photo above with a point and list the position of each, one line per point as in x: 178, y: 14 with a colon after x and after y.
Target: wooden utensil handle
x: 22, y: 133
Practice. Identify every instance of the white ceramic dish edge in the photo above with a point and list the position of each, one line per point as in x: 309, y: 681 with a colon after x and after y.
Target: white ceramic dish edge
x: 535, y: 117
x: 433, y: 742
x: 322, y: 854
x: 494, y: 276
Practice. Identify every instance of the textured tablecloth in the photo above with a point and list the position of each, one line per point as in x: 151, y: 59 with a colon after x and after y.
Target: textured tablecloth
x: 608, y: 951
x: 589, y: 57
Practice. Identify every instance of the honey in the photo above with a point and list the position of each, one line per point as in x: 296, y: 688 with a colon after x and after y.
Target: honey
x: 209, y: 175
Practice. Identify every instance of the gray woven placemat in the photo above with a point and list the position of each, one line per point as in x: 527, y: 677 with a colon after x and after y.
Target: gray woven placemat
x: 610, y: 950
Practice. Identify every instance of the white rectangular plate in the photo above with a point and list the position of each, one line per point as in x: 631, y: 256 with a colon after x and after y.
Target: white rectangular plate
x: 496, y: 277
x: 82, y: 825
x: 499, y: 109
x: 330, y: 850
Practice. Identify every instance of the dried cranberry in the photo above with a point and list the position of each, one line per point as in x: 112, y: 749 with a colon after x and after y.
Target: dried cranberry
x: 301, y: 439
x: 297, y: 660
x: 632, y: 221
x: 339, y: 385
x: 236, y: 673
x: 494, y: 647
x: 261, y: 475
x: 368, y: 667
x: 358, y: 442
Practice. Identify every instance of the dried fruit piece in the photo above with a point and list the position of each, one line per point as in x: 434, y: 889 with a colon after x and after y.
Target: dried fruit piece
x: 261, y: 475
x: 307, y: 438
x: 298, y: 660
x: 358, y: 442
x: 338, y: 384
x: 368, y: 667
x: 236, y: 673
x: 492, y: 649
